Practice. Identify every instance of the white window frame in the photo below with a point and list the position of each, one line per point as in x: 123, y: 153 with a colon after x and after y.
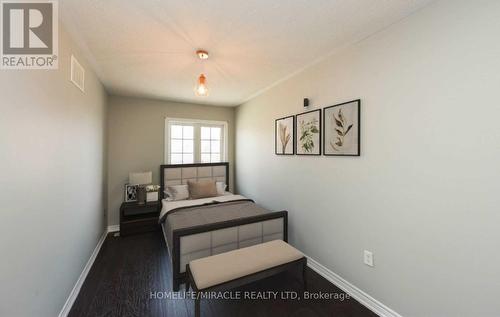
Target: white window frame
x: 197, y: 137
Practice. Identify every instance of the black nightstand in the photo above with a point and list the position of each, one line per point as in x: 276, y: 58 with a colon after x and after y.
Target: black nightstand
x: 136, y: 218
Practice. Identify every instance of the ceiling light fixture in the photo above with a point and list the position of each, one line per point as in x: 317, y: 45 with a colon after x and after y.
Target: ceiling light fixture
x: 202, y: 54
x: 201, y: 88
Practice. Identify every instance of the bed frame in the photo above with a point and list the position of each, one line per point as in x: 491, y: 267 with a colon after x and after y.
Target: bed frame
x: 175, y: 174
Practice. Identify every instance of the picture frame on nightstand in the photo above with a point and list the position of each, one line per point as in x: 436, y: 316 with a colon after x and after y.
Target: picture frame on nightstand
x: 130, y: 193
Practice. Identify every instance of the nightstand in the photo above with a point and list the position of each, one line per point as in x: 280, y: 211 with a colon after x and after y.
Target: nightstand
x: 136, y: 218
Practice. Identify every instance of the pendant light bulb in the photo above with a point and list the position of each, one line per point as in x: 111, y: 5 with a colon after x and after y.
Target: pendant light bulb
x: 201, y: 88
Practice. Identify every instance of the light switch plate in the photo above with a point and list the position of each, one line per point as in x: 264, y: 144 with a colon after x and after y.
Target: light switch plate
x: 368, y: 258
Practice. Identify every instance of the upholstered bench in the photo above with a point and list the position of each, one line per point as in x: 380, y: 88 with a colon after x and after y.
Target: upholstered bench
x: 235, y: 268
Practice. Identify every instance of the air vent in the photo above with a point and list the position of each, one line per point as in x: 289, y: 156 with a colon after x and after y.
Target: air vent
x: 77, y: 74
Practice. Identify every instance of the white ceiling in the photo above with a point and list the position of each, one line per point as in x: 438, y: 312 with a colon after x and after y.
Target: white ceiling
x: 147, y: 48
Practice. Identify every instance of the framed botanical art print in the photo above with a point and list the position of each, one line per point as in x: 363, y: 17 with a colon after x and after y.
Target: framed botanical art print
x: 342, y: 129
x: 284, y: 132
x: 308, y: 133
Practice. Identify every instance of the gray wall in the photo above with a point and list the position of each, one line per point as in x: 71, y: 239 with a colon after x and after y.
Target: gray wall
x: 424, y: 194
x: 52, y: 140
x: 136, y: 139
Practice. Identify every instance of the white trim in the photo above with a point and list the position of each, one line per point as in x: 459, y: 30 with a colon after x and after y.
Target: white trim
x: 78, y: 285
x: 186, y: 120
x: 362, y: 297
x: 114, y: 228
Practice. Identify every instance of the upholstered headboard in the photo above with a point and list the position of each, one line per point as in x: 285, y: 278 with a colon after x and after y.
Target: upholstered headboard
x: 176, y: 174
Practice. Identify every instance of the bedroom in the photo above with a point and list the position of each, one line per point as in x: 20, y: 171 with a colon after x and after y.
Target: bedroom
x: 385, y: 202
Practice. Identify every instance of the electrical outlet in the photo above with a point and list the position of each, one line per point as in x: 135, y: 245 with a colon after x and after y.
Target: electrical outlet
x: 368, y: 258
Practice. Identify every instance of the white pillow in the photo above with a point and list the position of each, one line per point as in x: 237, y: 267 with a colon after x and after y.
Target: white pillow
x: 221, y: 188
x: 178, y: 192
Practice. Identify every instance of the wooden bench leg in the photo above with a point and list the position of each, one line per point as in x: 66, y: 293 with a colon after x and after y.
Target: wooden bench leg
x: 176, y: 285
x: 197, y: 306
x: 190, y: 283
x: 304, y: 278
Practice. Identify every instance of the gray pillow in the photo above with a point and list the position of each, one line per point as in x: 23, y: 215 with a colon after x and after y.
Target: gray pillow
x: 177, y: 192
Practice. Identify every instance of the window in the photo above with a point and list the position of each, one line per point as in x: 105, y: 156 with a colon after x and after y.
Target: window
x: 181, y: 144
x: 195, y: 141
x: 211, y: 145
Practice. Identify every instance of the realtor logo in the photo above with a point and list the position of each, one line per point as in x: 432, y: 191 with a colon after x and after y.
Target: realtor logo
x: 29, y: 34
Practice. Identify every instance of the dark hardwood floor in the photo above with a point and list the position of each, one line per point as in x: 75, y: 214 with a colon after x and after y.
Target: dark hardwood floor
x: 129, y: 269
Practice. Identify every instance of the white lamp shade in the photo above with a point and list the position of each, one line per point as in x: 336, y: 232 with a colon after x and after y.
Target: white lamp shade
x: 142, y: 178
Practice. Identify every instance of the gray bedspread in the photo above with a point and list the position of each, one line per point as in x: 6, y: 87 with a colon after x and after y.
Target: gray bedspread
x: 187, y: 217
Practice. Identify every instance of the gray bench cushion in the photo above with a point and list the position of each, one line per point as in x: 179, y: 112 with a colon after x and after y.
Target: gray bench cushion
x: 224, y: 267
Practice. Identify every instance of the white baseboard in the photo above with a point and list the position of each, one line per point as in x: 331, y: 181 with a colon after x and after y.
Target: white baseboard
x: 114, y: 228
x: 356, y: 293
x: 76, y: 289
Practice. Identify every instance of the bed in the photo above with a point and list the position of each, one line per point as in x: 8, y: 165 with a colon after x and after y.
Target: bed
x: 199, y: 228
